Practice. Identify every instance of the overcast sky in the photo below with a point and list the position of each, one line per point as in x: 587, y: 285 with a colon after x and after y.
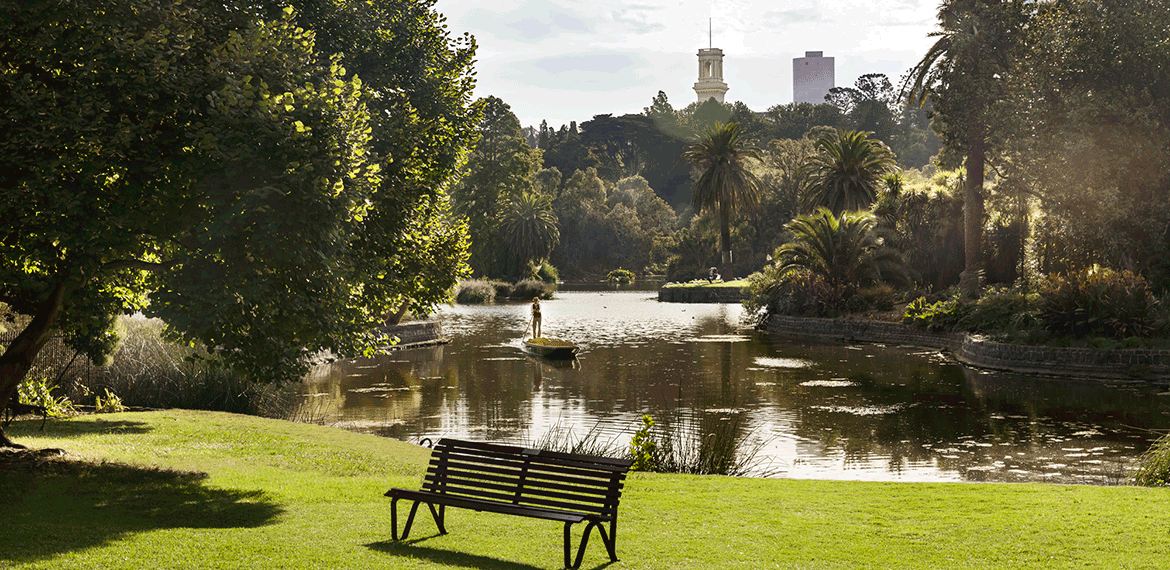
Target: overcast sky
x: 567, y: 60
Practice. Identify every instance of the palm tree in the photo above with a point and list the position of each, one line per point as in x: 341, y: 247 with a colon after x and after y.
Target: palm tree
x: 962, y: 75
x: 844, y: 249
x: 725, y: 184
x: 846, y: 171
x: 530, y: 228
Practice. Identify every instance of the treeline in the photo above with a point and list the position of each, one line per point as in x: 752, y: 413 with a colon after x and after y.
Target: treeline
x: 613, y: 192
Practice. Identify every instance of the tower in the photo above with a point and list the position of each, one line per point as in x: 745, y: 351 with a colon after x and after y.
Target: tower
x: 710, y: 83
x: 812, y: 77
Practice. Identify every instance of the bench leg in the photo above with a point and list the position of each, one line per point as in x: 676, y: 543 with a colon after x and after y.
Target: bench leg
x: 394, y: 517
x: 439, y: 517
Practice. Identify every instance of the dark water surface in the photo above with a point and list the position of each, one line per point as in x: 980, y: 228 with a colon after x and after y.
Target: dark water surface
x: 822, y: 410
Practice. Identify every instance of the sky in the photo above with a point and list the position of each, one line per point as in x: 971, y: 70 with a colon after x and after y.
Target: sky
x: 567, y: 60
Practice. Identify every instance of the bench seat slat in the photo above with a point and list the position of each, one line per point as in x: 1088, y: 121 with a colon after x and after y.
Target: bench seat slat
x: 538, y: 478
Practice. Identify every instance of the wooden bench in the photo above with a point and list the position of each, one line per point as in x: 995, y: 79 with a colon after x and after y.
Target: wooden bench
x: 564, y: 487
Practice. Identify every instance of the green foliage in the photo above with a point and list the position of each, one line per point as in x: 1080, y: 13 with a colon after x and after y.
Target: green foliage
x: 546, y: 272
x: 273, y: 198
x: 725, y: 184
x: 475, y: 291
x: 939, y: 316
x: 796, y: 292
x: 528, y: 289
x: 1097, y: 301
x: 843, y: 250
x: 620, y: 277
x: 38, y: 391
x: 643, y: 448
x: 109, y: 404
x: 496, y: 196
x: 845, y: 172
x: 1153, y: 468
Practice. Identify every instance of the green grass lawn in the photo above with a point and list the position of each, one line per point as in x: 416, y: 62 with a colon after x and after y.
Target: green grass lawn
x: 182, y: 489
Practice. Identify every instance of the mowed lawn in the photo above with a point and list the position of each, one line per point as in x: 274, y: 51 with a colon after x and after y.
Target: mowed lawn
x: 184, y: 489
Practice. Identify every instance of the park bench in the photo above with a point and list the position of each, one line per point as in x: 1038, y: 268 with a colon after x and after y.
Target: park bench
x: 564, y: 487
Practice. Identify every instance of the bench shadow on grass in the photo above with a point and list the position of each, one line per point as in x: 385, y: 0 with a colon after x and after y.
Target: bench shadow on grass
x: 412, y: 548
x: 54, y: 505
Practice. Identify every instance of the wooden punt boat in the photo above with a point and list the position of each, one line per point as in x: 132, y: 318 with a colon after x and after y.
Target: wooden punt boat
x: 551, y: 348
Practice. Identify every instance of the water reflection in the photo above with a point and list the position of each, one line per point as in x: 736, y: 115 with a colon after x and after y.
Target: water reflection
x: 815, y: 409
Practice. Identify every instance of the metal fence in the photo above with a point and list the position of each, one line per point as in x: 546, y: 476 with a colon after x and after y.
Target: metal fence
x: 56, y: 362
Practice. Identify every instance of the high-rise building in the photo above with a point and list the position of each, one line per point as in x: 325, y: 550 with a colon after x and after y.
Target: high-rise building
x: 812, y: 77
x: 710, y: 83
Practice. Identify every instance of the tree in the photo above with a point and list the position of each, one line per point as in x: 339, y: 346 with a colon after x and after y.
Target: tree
x: 725, y: 184
x: 962, y: 75
x: 530, y: 229
x: 204, y: 163
x: 500, y: 169
x: 843, y: 249
x: 845, y: 172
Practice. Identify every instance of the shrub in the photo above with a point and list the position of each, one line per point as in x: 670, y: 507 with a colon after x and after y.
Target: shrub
x: 940, y: 316
x: 797, y: 292
x: 1153, y: 468
x: 879, y: 297
x: 546, y: 273
x: 475, y: 292
x: 1000, y: 309
x: 530, y: 288
x: 36, y: 390
x: 620, y: 277
x: 1097, y: 301
x: 503, y: 289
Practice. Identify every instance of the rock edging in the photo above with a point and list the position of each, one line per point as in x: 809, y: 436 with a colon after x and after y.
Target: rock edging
x: 706, y: 294
x: 973, y: 350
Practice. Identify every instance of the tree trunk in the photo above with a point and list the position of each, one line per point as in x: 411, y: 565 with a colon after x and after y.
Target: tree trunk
x: 970, y: 280
x: 17, y: 360
x: 725, y: 241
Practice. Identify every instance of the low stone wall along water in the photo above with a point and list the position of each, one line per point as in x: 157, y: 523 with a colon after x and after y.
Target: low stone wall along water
x: 972, y: 350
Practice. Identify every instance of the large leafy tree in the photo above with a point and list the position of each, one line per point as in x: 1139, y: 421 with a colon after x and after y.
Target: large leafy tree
x: 725, y: 183
x: 963, y: 76
x: 206, y: 163
x: 501, y: 169
x: 846, y: 171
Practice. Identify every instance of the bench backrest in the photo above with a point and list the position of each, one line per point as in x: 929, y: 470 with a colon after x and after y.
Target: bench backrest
x: 529, y: 477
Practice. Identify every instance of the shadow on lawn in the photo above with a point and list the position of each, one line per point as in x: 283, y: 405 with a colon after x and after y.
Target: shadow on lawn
x: 69, y: 429
x: 411, y: 548
x: 54, y: 504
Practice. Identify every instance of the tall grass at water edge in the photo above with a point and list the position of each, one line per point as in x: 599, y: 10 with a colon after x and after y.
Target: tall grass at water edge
x: 713, y: 443
x: 148, y: 371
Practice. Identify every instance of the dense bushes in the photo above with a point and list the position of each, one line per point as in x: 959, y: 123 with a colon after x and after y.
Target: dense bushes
x: 1153, y: 468
x: 1096, y: 302
x: 476, y: 291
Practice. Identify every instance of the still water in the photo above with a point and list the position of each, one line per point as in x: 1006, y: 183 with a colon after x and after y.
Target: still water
x: 825, y: 410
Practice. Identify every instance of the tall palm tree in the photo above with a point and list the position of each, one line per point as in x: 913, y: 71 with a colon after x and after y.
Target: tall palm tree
x: 530, y: 228
x: 844, y: 249
x: 846, y: 171
x: 962, y: 75
x: 721, y: 155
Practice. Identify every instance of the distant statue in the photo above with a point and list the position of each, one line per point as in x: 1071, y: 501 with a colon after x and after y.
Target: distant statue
x: 536, y: 317
x: 712, y: 275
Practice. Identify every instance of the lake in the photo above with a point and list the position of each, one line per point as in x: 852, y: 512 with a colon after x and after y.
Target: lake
x: 808, y: 409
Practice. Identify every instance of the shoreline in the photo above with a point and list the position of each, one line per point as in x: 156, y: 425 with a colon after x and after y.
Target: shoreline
x: 1130, y: 365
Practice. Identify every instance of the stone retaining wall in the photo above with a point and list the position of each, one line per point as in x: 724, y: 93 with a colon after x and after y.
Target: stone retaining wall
x: 416, y: 333
x: 682, y: 294
x: 1127, y: 364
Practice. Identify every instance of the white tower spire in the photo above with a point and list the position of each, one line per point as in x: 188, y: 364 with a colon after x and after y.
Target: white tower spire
x: 710, y: 83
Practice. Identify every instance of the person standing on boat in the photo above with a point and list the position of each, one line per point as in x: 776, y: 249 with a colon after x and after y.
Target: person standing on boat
x: 536, y: 317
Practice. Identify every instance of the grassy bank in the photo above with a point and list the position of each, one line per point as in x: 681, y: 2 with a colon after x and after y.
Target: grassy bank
x: 181, y: 489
